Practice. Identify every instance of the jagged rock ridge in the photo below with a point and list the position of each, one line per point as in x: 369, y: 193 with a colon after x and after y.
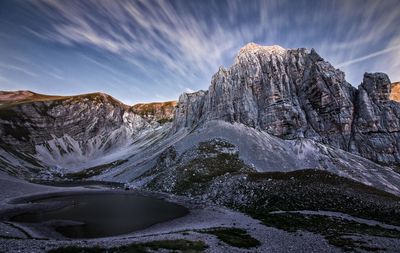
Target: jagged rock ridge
x: 294, y: 93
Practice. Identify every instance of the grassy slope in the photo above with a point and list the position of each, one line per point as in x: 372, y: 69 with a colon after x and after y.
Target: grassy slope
x: 336, y: 231
x: 35, y: 97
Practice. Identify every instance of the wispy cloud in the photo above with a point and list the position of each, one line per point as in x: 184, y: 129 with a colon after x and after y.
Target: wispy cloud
x: 153, y: 34
x: 3, y: 79
x: 177, y: 45
x: 368, y: 56
x: 188, y: 39
x: 18, y: 69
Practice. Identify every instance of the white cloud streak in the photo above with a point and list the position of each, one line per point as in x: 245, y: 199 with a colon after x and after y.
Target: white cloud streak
x: 150, y: 32
x: 368, y: 56
x: 176, y: 43
x: 18, y: 69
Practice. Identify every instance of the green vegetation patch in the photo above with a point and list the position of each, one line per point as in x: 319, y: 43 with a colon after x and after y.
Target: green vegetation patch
x: 165, y: 120
x: 336, y: 231
x: 312, y: 190
x: 197, y: 174
x: 194, y: 171
x: 183, y: 246
x: 309, y: 176
x: 235, y: 237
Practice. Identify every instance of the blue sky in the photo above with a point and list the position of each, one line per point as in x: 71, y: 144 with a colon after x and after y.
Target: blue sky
x: 142, y: 51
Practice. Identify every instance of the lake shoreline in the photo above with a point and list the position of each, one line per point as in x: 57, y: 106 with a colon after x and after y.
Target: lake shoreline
x: 202, y: 216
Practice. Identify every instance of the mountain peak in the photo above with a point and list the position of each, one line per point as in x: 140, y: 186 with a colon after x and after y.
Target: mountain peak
x: 294, y: 93
x: 255, y: 48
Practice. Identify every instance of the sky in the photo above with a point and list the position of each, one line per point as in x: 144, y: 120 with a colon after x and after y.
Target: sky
x: 154, y: 50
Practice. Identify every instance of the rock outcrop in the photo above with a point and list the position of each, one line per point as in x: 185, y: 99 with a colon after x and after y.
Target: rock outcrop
x: 377, y: 121
x: 395, y: 92
x: 189, y: 110
x: 161, y: 112
x: 294, y: 93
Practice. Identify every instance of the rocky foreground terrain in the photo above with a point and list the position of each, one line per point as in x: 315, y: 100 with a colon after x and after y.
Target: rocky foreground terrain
x: 280, y: 136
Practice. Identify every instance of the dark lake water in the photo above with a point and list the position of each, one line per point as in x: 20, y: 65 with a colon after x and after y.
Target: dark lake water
x: 105, y: 214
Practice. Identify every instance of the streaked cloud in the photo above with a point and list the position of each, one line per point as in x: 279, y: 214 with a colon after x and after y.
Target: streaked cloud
x: 369, y: 56
x: 168, y: 47
x: 18, y: 69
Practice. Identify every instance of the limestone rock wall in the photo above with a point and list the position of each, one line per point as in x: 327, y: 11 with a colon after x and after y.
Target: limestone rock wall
x: 294, y: 93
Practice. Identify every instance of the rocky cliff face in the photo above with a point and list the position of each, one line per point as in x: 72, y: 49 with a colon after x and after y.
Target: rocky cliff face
x: 395, y: 92
x: 376, y: 128
x: 189, y: 110
x: 161, y: 112
x: 294, y: 93
x: 288, y: 93
x: 66, y: 131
